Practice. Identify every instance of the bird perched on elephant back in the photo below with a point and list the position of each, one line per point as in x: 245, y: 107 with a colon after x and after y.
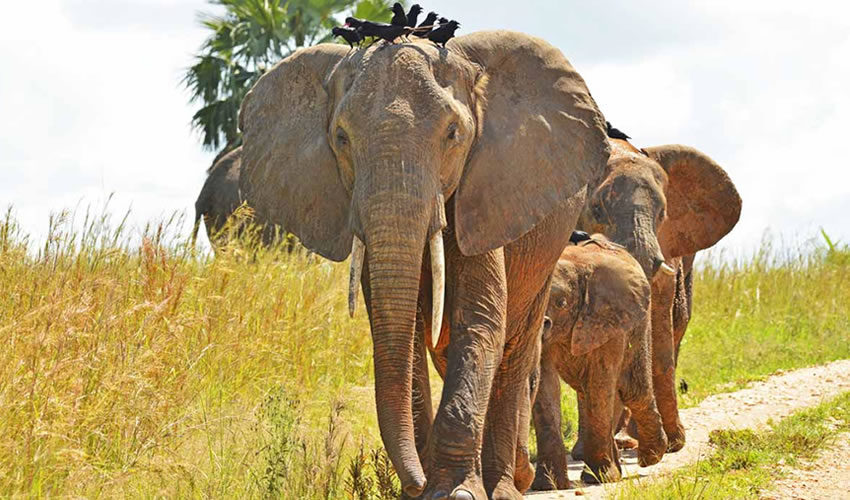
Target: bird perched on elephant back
x: 599, y: 344
x: 664, y: 204
x: 370, y: 154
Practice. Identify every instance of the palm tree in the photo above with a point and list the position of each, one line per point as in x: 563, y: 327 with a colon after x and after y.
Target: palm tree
x: 247, y: 39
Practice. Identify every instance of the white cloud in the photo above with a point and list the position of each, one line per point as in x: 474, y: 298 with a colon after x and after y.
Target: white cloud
x: 92, y: 110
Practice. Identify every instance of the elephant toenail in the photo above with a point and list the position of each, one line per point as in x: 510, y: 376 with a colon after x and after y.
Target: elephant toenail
x: 462, y: 495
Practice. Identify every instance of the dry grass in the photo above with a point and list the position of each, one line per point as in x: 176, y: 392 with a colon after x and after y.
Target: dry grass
x: 131, y: 366
x: 148, y: 370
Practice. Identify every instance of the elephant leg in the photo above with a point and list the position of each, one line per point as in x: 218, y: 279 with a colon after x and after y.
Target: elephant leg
x: 682, y: 303
x: 521, y: 355
x: 479, y: 301
x: 636, y: 392
x: 551, y: 470
x: 664, y: 362
x: 524, y: 472
x: 578, y: 448
x: 600, y: 455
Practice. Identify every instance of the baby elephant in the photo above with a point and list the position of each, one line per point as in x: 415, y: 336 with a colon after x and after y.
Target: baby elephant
x: 599, y: 343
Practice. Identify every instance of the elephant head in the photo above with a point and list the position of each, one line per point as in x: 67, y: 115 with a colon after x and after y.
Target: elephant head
x: 595, y: 296
x: 363, y: 149
x: 662, y: 202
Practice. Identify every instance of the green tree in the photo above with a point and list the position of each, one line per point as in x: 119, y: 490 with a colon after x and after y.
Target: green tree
x: 246, y: 40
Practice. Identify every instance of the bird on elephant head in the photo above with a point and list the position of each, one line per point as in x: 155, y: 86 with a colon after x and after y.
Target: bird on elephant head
x: 420, y: 187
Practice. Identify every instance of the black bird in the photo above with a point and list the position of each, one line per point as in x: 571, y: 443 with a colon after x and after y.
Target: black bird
x: 388, y: 32
x: 683, y: 386
x: 350, y: 35
x: 365, y: 28
x: 578, y: 236
x: 399, y: 17
x: 444, y: 33
x: 413, y: 14
x: 427, y: 25
x: 353, y: 22
x: 443, y: 20
x: 615, y: 133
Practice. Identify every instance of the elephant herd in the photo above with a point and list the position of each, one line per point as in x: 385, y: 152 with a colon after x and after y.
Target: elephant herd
x: 455, y: 178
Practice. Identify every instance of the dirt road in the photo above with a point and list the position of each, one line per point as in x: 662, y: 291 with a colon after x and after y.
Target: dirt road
x: 777, y: 397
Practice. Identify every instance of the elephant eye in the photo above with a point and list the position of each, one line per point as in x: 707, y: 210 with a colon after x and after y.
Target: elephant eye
x: 561, y: 303
x: 452, y: 132
x: 341, y: 137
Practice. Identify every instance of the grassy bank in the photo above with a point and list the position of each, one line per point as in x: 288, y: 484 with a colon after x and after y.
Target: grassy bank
x: 145, y: 369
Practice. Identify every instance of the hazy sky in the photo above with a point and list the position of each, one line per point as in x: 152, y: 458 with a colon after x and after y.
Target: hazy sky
x: 91, y: 102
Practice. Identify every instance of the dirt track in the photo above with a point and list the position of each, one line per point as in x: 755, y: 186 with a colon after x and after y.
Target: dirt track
x: 777, y: 397
x: 826, y: 477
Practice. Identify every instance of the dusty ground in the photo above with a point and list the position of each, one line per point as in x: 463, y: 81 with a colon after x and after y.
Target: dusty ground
x: 779, y: 396
x: 826, y: 477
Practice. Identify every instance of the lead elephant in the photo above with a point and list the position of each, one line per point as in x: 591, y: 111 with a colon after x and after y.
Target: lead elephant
x: 599, y: 344
x: 455, y: 177
x: 663, y: 204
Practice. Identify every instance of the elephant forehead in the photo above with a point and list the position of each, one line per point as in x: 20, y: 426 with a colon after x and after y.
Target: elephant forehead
x: 628, y: 172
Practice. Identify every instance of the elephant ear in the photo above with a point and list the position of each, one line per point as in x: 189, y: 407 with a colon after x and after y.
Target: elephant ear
x: 286, y: 155
x: 702, y: 202
x: 541, y: 139
x: 616, y: 300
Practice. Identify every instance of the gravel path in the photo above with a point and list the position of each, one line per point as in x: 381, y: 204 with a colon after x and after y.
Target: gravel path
x: 826, y: 477
x: 777, y: 397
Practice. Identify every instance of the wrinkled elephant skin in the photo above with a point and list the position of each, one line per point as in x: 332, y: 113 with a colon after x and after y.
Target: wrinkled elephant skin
x: 599, y: 344
x: 406, y: 152
x: 664, y: 204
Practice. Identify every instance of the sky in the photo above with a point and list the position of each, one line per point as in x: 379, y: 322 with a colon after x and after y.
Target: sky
x: 92, y: 105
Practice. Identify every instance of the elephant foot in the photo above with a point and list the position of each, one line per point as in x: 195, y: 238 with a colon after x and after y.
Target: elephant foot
x: 549, y: 478
x: 651, y: 451
x: 676, y: 439
x: 505, y: 490
x: 606, y: 472
x: 578, y: 450
x: 471, y: 489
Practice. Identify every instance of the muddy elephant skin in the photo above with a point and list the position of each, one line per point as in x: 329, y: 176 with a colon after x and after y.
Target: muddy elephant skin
x: 598, y: 344
x: 407, y: 157
x: 664, y: 204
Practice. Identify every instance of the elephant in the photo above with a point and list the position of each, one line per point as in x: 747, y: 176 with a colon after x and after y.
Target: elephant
x: 664, y: 204
x: 453, y: 177
x: 220, y: 196
x: 599, y: 344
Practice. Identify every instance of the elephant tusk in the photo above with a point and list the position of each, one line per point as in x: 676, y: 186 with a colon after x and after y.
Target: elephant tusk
x: 438, y: 286
x: 666, y: 269
x: 357, y: 251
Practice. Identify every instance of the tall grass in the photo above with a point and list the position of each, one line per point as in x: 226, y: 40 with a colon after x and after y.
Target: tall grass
x: 782, y: 308
x: 133, y: 366
x: 150, y: 370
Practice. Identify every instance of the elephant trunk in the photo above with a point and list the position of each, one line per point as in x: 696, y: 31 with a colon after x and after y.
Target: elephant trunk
x: 641, y: 240
x: 396, y: 210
